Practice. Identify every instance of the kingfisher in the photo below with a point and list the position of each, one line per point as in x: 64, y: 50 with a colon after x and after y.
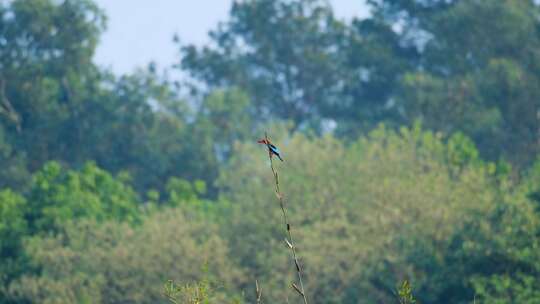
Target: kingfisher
x: 272, y: 150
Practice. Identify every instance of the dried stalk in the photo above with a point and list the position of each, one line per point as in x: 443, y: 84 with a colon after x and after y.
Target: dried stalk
x: 258, y: 292
x: 289, y: 240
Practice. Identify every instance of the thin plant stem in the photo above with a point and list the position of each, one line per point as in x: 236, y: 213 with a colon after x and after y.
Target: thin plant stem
x: 258, y: 292
x: 289, y: 240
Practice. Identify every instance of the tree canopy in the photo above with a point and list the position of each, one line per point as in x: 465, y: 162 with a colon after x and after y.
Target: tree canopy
x: 410, y: 140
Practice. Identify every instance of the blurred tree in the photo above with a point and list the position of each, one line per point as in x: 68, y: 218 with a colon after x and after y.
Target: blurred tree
x: 374, y: 59
x: 392, y: 206
x: 397, y: 203
x: 142, y: 130
x: 55, y: 104
x: 474, y: 75
x: 409, y: 60
x: 301, y: 63
x: 14, y: 172
x: 116, y: 263
x: 388, y: 207
x: 58, y: 196
x: 284, y: 54
x: 13, y: 227
x: 220, y: 121
x: 46, y: 66
x: 46, y: 72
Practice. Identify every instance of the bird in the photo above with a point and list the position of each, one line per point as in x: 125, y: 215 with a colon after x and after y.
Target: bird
x: 272, y: 150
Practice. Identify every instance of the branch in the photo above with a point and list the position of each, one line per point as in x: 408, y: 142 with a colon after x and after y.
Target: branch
x: 258, y: 292
x: 289, y: 240
x: 7, y: 108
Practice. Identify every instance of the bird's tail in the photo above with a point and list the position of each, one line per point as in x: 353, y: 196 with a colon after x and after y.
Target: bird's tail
x: 281, y: 159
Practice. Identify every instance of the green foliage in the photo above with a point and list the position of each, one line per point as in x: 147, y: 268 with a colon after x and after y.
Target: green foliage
x: 461, y: 150
x: 501, y: 289
x: 196, y: 293
x: 45, y: 50
x: 56, y: 105
x: 222, y: 119
x: 111, y: 185
x: 13, y: 226
x: 180, y: 190
x: 12, y: 222
x: 58, y: 196
x: 532, y: 183
x: 289, y: 65
x: 188, y: 294
x: 360, y: 210
x: 409, y: 61
x: 391, y: 205
x: 13, y: 173
x: 505, y: 248
x: 405, y: 293
x: 480, y: 80
x: 92, y: 262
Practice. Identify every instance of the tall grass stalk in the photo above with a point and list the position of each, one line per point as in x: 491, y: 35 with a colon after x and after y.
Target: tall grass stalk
x: 258, y: 292
x: 289, y: 239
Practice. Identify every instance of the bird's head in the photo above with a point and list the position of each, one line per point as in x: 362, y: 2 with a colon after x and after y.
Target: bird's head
x: 263, y: 141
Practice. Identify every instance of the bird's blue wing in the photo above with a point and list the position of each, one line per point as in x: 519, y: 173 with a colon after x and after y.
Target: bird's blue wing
x: 274, y: 149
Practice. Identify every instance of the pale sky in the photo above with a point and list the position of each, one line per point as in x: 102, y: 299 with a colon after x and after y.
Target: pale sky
x: 140, y: 31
